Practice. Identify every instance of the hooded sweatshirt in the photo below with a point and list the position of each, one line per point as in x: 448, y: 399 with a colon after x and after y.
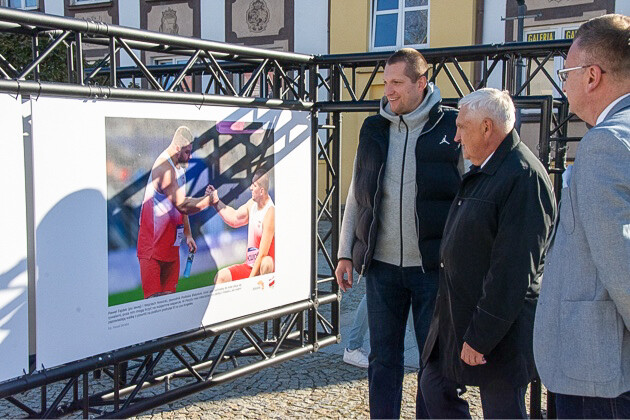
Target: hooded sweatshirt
x: 397, y: 238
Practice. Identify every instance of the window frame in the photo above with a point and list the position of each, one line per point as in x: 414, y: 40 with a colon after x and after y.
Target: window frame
x: 6, y: 3
x: 400, y: 33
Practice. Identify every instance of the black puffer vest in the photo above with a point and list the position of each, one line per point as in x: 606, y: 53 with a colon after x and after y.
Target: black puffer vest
x: 437, y: 181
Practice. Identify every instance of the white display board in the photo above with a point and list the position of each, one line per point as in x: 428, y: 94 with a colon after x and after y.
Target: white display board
x: 92, y: 161
x: 13, y: 273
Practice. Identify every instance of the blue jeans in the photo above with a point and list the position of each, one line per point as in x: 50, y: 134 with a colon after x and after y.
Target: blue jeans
x: 391, y: 291
x: 359, y: 327
x: 577, y: 407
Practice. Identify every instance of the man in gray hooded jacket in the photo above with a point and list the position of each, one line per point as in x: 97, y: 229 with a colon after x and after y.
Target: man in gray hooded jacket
x: 406, y: 173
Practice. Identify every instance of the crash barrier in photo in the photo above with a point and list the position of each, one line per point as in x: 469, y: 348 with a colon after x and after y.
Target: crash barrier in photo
x: 84, y: 153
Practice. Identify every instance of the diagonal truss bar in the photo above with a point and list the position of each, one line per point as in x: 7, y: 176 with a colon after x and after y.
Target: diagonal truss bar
x: 370, y: 80
x: 101, y: 64
x: 253, y: 79
x: 327, y: 326
x: 285, y: 333
x: 437, y: 69
x: 290, y: 82
x: 225, y: 79
x: 323, y: 154
x: 214, y: 77
x: 43, y: 55
x: 553, y: 82
x: 138, y: 387
x: 322, y: 247
x: 488, y: 72
x: 62, y: 394
x: 219, y: 357
x: 140, y: 65
x: 324, y: 204
x: 324, y: 210
x: 346, y: 82
x: 324, y: 82
x: 535, y: 72
x: 6, y: 63
x: 144, y: 363
x: 32, y: 413
x: 253, y: 342
x: 210, y: 348
x: 453, y: 81
x: 190, y: 353
x: 188, y: 366
x: 561, y: 124
x: 463, y: 75
x: 182, y: 73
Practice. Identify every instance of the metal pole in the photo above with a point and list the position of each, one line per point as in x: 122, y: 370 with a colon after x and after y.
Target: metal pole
x: 522, y: 9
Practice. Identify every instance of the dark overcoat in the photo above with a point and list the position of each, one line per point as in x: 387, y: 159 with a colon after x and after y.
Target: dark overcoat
x: 491, y: 261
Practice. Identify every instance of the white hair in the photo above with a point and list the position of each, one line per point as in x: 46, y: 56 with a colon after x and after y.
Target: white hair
x: 491, y: 103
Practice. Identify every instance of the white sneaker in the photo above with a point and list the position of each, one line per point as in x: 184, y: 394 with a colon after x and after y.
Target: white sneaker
x: 358, y: 357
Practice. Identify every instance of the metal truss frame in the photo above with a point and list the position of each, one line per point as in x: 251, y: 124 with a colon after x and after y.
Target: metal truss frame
x: 216, y: 73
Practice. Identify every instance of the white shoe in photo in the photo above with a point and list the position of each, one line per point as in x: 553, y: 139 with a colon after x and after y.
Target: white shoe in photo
x: 358, y: 357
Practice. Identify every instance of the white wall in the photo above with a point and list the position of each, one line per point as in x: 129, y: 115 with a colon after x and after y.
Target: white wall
x: 213, y: 20
x: 128, y: 15
x: 311, y: 26
x: 53, y: 7
x: 494, y: 33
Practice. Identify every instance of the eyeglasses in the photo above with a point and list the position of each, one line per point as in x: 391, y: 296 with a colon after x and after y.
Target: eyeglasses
x: 563, y: 74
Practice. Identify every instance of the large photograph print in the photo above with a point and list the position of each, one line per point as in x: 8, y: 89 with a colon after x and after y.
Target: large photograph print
x: 166, y: 219
x: 167, y: 232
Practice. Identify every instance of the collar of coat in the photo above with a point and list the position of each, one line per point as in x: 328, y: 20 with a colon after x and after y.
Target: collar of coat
x: 381, y: 124
x: 507, y: 145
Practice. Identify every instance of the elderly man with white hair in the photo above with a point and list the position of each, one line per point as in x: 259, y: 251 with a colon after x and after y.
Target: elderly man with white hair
x: 491, y: 260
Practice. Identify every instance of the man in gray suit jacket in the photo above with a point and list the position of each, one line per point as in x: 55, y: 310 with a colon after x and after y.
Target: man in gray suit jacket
x: 582, y: 328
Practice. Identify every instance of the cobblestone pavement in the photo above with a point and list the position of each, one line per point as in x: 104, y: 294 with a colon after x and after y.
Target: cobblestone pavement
x: 318, y: 385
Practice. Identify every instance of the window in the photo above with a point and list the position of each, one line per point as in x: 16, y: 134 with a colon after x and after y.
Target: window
x: 20, y: 4
x: 399, y: 23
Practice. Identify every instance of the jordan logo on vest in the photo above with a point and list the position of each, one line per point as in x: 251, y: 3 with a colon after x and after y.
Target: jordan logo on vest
x: 444, y: 140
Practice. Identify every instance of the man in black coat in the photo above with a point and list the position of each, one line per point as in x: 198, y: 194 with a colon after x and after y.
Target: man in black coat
x: 491, y: 261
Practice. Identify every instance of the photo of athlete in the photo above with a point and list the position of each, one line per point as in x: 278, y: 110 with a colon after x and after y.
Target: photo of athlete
x: 164, y: 217
x: 258, y: 213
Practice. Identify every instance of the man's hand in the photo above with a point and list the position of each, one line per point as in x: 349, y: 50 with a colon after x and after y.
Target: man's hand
x: 472, y: 357
x: 192, y: 245
x: 344, y: 267
x: 213, y: 194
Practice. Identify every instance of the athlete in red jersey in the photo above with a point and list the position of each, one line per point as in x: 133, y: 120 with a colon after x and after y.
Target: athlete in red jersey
x: 259, y: 214
x: 164, y: 217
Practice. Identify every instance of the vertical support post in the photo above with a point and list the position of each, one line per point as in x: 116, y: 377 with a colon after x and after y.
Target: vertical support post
x: 79, y: 58
x: 70, y: 62
x: 312, y: 313
x: 116, y: 387
x: 302, y: 86
x: 544, y: 149
x: 560, y: 159
x: 35, y: 54
x: 535, y: 392
x: 335, y: 184
x: 277, y: 82
x: 43, y: 404
x: 86, y: 397
x: 112, y: 62
x: 551, y: 405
